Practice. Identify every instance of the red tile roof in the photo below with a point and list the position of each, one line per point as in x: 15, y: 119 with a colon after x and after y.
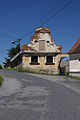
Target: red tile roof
x: 26, y: 47
x: 41, y: 30
x: 75, y: 48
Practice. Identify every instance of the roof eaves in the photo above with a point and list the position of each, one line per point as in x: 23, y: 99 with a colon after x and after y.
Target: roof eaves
x: 15, y: 56
x: 74, y: 47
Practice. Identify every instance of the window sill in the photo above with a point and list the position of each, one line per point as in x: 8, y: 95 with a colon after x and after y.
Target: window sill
x: 34, y: 63
x: 49, y: 63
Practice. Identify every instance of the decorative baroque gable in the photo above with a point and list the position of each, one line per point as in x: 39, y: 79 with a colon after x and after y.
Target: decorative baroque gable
x: 42, y: 41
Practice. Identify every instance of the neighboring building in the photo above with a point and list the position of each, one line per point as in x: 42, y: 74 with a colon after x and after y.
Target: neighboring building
x: 74, y: 64
x: 42, y: 54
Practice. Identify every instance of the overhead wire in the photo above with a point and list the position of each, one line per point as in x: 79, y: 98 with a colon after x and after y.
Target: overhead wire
x: 60, y: 9
x: 46, y: 20
x: 43, y: 21
x: 72, y: 10
x: 58, y: 3
x: 7, y: 36
x: 53, y: 9
x: 56, y: 13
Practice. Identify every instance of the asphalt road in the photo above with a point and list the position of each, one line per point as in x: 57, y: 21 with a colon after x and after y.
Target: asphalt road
x: 37, y: 97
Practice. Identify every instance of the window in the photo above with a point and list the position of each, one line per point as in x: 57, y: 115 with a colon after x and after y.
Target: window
x: 35, y: 41
x: 34, y: 60
x: 49, y: 59
x: 48, y: 41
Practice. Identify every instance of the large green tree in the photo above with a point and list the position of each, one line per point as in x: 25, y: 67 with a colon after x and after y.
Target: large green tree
x: 11, y: 53
x: 6, y: 63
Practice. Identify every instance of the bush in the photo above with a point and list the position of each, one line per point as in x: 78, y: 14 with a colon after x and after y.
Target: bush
x: 0, y: 67
x: 1, y: 80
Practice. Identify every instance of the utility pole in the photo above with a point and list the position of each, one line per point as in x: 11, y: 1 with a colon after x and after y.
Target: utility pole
x: 17, y: 42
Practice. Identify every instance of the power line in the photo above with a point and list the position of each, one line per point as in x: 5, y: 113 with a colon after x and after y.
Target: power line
x: 7, y: 36
x: 52, y: 10
x: 48, y: 12
x: 56, y: 13
x: 72, y: 10
x: 35, y: 26
x: 24, y: 36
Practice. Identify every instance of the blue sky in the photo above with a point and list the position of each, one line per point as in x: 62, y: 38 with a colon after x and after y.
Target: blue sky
x: 20, y: 17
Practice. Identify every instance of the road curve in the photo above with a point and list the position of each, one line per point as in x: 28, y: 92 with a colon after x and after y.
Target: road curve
x: 31, y: 97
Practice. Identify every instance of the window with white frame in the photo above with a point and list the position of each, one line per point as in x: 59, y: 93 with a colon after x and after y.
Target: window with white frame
x: 34, y: 60
x: 49, y: 59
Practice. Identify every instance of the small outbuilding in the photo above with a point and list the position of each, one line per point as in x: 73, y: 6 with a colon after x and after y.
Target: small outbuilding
x: 74, y: 64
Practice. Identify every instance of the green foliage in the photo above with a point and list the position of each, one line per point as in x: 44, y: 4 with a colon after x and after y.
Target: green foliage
x: 6, y: 63
x: 73, y: 77
x: 30, y: 70
x: 11, y: 53
x: 1, y: 80
x: 0, y: 67
x: 27, y: 70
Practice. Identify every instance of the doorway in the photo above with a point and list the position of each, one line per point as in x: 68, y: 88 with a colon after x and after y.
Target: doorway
x: 64, y: 66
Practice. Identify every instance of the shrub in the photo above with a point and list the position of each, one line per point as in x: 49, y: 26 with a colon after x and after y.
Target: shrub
x: 0, y: 67
x: 1, y: 80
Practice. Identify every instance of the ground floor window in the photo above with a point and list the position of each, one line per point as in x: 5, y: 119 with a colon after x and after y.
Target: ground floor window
x: 49, y: 59
x: 34, y: 60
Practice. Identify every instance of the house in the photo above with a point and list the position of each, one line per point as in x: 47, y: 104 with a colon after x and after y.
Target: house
x: 74, y: 64
x: 41, y: 55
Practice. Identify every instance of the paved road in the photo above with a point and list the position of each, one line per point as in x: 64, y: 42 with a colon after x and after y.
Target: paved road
x: 37, y: 97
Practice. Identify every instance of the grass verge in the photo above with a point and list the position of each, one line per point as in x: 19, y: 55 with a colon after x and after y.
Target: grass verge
x: 33, y: 71
x: 73, y: 77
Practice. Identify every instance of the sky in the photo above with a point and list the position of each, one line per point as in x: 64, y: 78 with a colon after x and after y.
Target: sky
x: 20, y: 18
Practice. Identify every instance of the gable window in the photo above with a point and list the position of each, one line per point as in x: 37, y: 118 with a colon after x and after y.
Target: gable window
x: 48, y: 41
x: 34, y: 60
x: 49, y: 60
x: 35, y: 41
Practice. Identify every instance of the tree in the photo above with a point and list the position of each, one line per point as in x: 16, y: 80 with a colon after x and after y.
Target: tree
x: 7, y: 62
x: 11, y: 53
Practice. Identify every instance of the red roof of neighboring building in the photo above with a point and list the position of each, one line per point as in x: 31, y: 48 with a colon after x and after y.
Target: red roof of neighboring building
x: 75, y: 48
